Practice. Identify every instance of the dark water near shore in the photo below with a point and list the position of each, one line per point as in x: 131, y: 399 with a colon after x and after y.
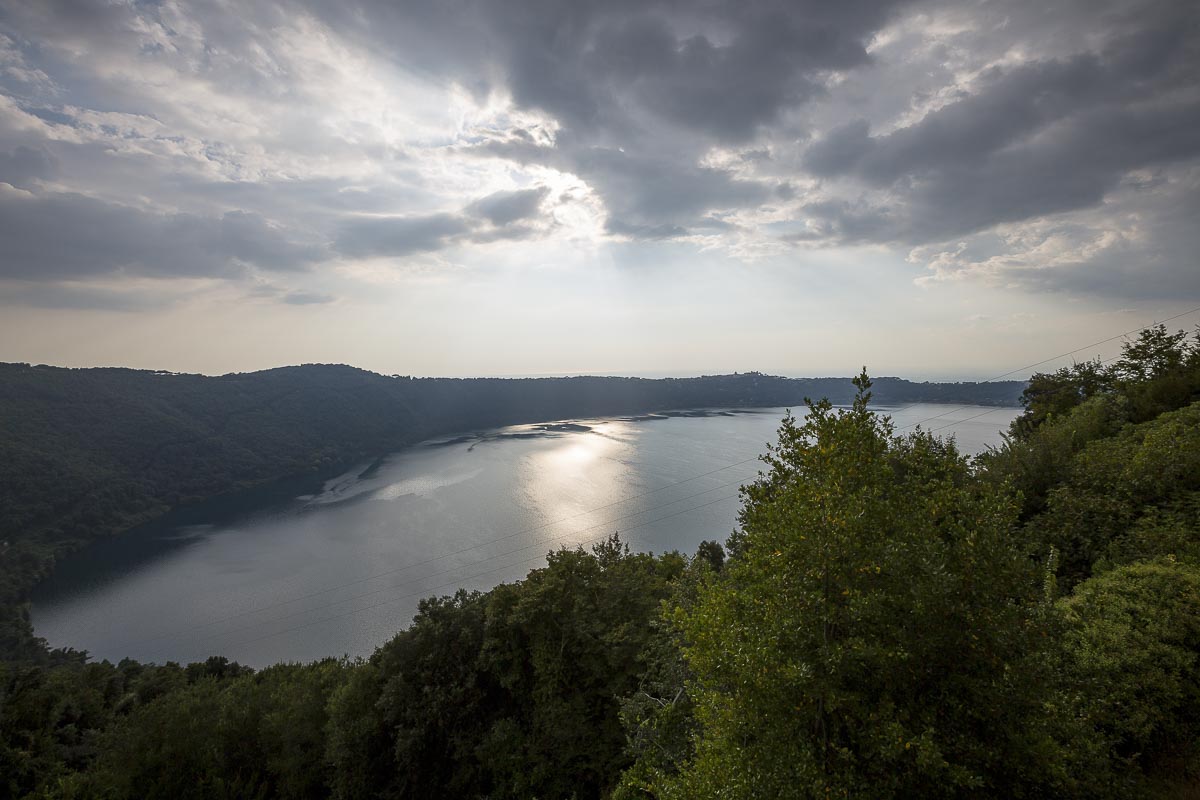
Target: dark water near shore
x: 306, y: 568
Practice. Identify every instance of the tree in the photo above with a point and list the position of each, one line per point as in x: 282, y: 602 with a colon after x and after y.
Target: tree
x: 1158, y: 372
x: 876, y: 635
x: 509, y: 694
x: 1050, y: 395
x: 1154, y: 354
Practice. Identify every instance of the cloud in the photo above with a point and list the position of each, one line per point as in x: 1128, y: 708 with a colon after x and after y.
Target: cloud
x: 1140, y: 245
x: 369, y: 237
x: 840, y: 150
x: 639, y: 91
x: 55, y: 236
x: 1007, y: 106
x: 1024, y: 141
x: 75, y: 297
x: 500, y: 215
x: 505, y: 208
x: 1069, y: 166
x: 660, y: 194
x: 724, y: 68
x: 727, y: 89
x: 293, y: 297
x: 307, y: 298
x: 663, y: 231
x: 192, y: 140
x: 23, y: 165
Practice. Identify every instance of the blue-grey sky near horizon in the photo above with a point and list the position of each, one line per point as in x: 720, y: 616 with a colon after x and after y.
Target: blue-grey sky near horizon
x: 933, y: 189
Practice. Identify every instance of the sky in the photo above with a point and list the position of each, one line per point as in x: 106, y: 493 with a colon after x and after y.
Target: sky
x: 937, y: 190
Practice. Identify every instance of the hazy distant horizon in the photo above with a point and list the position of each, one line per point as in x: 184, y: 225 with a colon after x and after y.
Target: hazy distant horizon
x: 649, y: 374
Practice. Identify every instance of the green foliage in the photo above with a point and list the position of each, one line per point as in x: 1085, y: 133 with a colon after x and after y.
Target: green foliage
x: 1154, y: 355
x: 712, y: 554
x: 1134, y: 651
x: 55, y: 721
x: 1158, y: 371
x: 1171, y: 528
x: 409, y: 722
x: 513, y: 693
x: 659, y: 717
x: 260, y: 735
x: 878, y: 635
x: 49, y: 720
x: 1033, y: 465
x: 569, y: 639
x: 1050, y: 395
x: 1100, y: 474
x: 1126, y: 496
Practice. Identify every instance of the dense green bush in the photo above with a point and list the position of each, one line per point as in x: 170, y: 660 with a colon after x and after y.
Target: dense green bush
x: 1134, y: 651
x: 1119, y: 491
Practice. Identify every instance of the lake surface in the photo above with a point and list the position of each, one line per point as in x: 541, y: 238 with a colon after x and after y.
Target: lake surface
x: 304, y: 569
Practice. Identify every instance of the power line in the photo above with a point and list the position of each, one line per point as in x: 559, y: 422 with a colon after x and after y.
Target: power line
x: 1052, y: 358
x: 968, y: 419
x: 1093, y: 344
x: 985, y: 413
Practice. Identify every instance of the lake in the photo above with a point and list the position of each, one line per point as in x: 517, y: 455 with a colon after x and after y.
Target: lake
x: 308, y: 568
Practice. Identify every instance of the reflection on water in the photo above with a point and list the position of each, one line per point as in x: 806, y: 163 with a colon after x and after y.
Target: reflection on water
x: 580, y: 472
x: 306, y: 568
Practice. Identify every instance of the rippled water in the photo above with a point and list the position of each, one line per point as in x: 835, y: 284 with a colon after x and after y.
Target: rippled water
x: 305, y: 569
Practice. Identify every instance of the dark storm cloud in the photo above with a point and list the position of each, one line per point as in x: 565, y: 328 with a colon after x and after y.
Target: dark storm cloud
x: 846, y: 221
x: 1009, y: 106
x: 663, y: 231
x: 720, y: 67
x: 1140, y: 245
x: 1071, y: 166
x: 657, y: 191
x: 1121, y: 277
x: 726, y: 90
x: 56, y: 236
x: 653, y: 196
x: 660, y: 81
x: 245, y: 236
x: 1030, y: 140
